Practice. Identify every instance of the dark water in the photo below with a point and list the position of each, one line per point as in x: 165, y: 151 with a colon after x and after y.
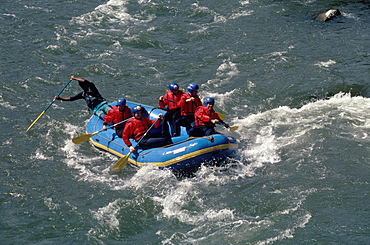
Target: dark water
x: 297, y: 88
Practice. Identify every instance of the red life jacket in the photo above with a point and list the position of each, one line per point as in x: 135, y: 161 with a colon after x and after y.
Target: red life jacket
x: 188, y: 108
x: 203, y: 117
x: 168, y: 99
x: 135, y: 129
x: 115, y: 115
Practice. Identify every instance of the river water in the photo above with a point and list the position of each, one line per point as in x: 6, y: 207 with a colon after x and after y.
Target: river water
x: 297, y: 88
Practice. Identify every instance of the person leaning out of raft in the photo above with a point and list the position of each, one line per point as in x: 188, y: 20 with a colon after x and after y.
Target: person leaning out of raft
x: 170, y: 102
x: 206, y: 119
x: 118, y: 114
x: 91, y: 95
x: 188, y: 104
x: 136, y: 127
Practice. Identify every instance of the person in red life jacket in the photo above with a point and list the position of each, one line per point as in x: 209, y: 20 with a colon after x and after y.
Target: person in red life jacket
x: 92, y: 97
x: 119, y: 113
x: 170, y: 102
x: 188, y: 104
x: 136, y: 127
x: 206, y: 119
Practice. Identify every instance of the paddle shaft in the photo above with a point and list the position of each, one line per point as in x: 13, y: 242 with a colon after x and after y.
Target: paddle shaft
x: 42, y: 113
x: 82, y: 138
x: 223, y: 124
x: 151, y: 126
x: 117, y: 123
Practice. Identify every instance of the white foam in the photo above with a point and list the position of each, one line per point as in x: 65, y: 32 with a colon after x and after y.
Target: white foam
x: 241, y: 14
x: 38, y: 8
x: 40, y: 156
x: 264, y: 135
x: 113, y: 11
x: 53, y: 47
x: 87, y: 171
x: 326, y: 63
x: 244, y: 2
x: 220, y: 98
x: 288, y: 232
x: 350, y: 16
x: 48, y: 201
x: 11, y: 15
x: 6, y: 104
x: 107, y: 216
x: 226, y: 71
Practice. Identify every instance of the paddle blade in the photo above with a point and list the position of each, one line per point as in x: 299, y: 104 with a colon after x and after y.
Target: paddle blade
x: 121, y: 163
x: 233, y: 128
x: 222, y: 116
x: 42, y: 113
x: 82, y: 138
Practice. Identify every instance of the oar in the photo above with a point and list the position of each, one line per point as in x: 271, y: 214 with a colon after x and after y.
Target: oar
x: 82, y: 138
x: 42, y: 113
x: 222, y: 116
x: 232, y: 129
x: 121, y: 163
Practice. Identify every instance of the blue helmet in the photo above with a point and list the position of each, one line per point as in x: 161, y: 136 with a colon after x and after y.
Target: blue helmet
x: 192, y: 87
x: 121, y: 101
x: 173, y: 86
x: 136, y: 109
x: 208, y: 100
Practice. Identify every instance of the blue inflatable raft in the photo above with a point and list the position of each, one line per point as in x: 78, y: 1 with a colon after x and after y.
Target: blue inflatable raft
x: 185, y: 154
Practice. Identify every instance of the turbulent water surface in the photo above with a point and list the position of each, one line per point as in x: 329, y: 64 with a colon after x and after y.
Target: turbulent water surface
x: 297, y: 88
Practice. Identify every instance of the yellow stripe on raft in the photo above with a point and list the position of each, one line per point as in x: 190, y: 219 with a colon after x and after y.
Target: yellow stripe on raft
x: 172, y: 161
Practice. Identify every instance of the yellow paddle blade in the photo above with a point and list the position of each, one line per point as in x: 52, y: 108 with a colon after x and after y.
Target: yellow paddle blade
x: 233, y: 128
x: 82, y: 138
x: 222, y: 116
x: 121, y: 163
x: 42, y: 113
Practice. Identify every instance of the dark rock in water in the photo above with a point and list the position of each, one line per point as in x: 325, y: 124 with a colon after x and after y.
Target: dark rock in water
x: 328, y: 15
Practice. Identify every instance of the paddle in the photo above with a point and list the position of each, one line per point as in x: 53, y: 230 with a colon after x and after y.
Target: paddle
x: 82, y: 138
x: 121, y: 163
x: 232, y: 129
x: 42, y: 113
x: 222, y: 116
